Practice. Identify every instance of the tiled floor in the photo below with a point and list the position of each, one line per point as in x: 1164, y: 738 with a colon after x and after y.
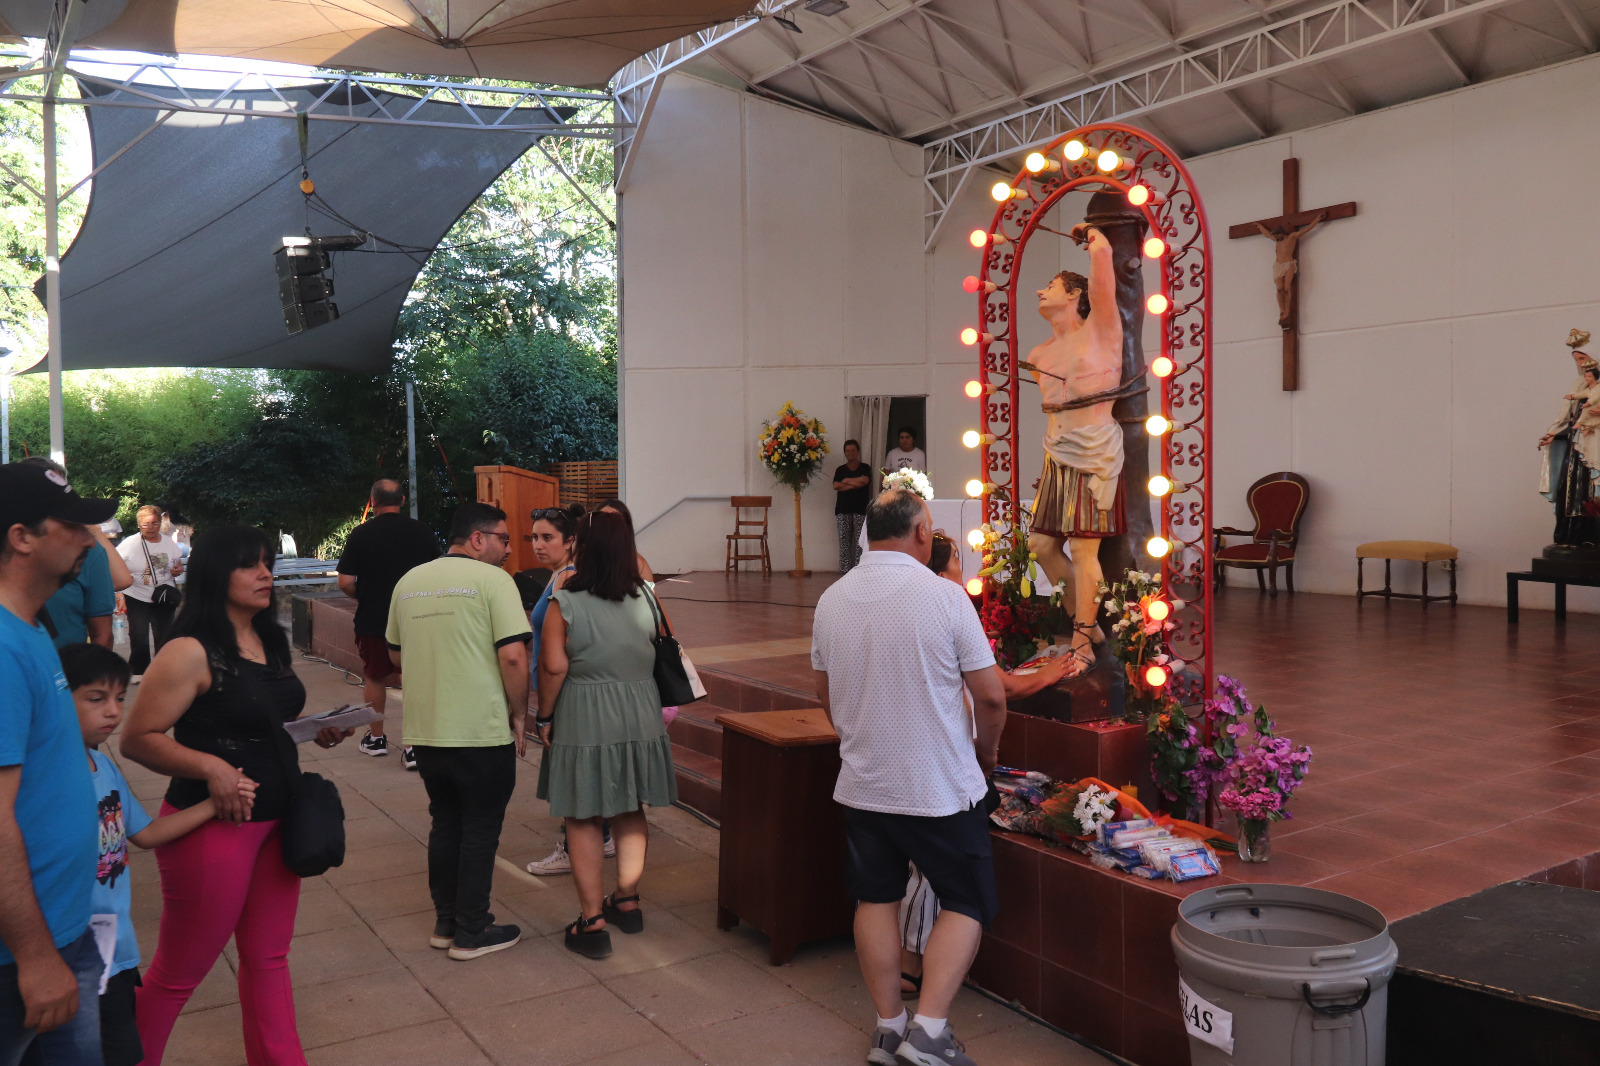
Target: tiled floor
x: 370, y: 992
x: 1452, y: 751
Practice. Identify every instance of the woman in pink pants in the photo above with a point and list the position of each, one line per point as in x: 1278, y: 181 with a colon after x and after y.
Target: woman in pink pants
x: 222, y: 685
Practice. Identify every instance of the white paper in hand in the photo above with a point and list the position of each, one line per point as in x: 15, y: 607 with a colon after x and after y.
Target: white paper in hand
x: 1204, y: 1020
x: 347, y: 717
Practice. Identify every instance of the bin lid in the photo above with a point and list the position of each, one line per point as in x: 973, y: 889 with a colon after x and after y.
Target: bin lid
x: 1282, y: 924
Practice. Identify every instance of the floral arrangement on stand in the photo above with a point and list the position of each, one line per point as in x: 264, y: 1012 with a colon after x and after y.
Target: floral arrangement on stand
x: 1019, y: 624
x: 1078, y: 811
x: 914, y: 480
x: 792, y: 447
x: 1139, y: 638
x: 1246, y: 767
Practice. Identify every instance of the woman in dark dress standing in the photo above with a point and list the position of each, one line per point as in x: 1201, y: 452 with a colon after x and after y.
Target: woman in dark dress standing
x: 222, y: 684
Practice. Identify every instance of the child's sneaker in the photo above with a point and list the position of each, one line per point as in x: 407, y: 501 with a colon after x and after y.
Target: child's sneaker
x: 371, y: 745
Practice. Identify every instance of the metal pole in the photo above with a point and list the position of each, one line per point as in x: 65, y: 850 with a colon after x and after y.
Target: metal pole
x: 411, y: 448
x: 52, y: 281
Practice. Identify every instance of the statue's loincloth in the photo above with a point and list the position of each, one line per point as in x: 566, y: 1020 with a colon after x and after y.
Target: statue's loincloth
x: 1080, y: 491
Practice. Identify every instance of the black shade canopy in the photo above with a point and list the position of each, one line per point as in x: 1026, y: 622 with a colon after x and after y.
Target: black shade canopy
x: 173, y: 265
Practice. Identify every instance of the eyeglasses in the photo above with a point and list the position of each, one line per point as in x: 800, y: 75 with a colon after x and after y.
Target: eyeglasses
x: 505, y: 538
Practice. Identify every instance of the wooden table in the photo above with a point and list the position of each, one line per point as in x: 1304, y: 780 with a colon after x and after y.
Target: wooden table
x: 1513, y: 577
x: 783, y: 843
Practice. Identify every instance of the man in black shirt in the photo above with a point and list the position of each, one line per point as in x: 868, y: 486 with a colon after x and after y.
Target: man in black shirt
x: 853, y: 483
x: 376, y: 555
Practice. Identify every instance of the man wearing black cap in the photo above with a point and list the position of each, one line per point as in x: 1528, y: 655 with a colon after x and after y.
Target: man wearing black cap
x: 49, y: 964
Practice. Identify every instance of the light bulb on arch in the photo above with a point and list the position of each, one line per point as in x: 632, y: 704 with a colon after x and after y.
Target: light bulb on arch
x: 1156, y: 425
x: 1156, y: 676
x: 1074, y: 150
x: 1158, y: 610
x: 974, y: 389
x: 974, y: 488
x: 975, y: 587
x: 1139, y: 195
x: 1157, y: 304
x: 1108, y: 161
x: 978, y: 238
x: 1158, y: 547
x: 1154, y: 248
x: 972, y: 438
x: 1162, y: 367
x: 970, y: 336
x: 975, y: 538
x: 1036, y: 162
x: 1160, y: 486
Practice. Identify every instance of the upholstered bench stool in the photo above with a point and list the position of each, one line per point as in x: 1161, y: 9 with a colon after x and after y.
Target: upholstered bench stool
x: 1418, y: 551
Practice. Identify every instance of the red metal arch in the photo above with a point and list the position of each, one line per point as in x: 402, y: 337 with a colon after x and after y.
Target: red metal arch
x: 1175, y: 214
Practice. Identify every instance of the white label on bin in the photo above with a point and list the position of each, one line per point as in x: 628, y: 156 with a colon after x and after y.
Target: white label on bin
x: 1205, y: 1021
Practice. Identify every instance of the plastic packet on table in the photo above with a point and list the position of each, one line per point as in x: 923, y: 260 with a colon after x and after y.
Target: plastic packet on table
x: 1149, y: 873
x: 1132, y: 838
x: 1160, y: 852
x: 1022, y: 790
x: 1110, y: 828
x: 1194, y: 864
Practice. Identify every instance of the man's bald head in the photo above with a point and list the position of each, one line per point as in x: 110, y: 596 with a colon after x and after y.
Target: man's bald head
x: 386, y: 495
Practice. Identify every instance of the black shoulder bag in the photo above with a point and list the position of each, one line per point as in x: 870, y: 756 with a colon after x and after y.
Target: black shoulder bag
x: 165, y: 595
x: 671, y: 678
x: 312, y: 829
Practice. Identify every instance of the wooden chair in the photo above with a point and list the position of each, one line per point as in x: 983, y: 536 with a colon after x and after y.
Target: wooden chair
x: 742, y: 528
x: 1277, y: 503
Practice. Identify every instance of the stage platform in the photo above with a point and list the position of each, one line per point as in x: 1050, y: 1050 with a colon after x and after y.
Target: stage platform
x: 1452, y: 752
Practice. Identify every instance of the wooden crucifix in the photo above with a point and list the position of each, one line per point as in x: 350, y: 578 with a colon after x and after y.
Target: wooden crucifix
x: 1286, y: 232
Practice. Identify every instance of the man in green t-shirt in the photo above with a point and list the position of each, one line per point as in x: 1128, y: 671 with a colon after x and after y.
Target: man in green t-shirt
x: 458, y: 624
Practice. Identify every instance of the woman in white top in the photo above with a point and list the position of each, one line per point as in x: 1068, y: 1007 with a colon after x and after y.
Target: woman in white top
x: 153, y: 560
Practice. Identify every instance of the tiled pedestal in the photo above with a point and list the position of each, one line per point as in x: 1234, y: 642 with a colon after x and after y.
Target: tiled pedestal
x: 1115, y: 753
x: 1086, y: 949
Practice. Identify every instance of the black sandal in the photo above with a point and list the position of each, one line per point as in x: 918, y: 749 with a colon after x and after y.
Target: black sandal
x: 916, y: 986
x: 628, y: 921
x: 590, y: 943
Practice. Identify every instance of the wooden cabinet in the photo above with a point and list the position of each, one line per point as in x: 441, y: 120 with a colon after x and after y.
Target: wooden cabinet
x: 783, y: 845
x: 517, y: 492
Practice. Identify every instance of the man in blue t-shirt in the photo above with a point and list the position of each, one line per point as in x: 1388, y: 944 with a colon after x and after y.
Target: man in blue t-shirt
x: 81, y: 610
x: 50, y: 966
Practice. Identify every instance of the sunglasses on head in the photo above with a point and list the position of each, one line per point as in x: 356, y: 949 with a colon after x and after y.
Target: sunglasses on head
x: 549, y: 514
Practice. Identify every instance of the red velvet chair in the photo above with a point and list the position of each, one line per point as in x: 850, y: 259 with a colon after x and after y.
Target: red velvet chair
x: 1277, y: 503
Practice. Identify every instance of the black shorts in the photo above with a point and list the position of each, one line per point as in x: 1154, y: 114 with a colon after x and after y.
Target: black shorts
x: 119, y: 1036
x: 952, y: 852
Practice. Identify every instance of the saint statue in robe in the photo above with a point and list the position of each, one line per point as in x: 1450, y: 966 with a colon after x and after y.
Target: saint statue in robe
x: 1571, y: 447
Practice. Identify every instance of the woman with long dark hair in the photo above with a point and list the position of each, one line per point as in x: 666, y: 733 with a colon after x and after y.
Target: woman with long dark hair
x: 607, y: 753
x: 222, y: 685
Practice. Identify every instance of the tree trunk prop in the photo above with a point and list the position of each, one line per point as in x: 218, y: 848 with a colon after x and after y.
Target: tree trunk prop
x: 799, y: 546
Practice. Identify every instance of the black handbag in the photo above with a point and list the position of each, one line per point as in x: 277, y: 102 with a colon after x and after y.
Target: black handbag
x: 671, y: 677
x: 311, y: 831
x: 165, y: 595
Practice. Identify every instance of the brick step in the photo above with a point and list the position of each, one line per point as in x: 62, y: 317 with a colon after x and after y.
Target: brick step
x: 699, y: 780
x: 696, y: 728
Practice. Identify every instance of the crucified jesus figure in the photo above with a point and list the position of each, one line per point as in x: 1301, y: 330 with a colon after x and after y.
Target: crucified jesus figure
x: 1080, y: 498
x: 1286, y: 264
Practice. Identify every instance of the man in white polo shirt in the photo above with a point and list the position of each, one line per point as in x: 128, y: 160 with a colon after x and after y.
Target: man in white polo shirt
x: 892, y: 645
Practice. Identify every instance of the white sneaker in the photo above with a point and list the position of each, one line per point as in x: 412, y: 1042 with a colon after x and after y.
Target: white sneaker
x: 559, y: 862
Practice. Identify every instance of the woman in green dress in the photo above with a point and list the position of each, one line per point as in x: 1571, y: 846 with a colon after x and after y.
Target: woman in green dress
x: 607, y: 754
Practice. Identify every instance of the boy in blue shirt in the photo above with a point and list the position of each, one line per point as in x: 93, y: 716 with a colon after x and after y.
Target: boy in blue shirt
x: 98, y: 678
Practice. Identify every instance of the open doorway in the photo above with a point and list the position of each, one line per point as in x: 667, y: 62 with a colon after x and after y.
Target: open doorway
x: 907, y: 413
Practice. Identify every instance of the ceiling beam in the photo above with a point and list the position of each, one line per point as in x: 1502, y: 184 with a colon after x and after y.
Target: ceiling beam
x: 1337, y: 89
x: 1326, y: 32
x: 1001, y: 77
x: 1450, y: 60
x: 1580, y: 29
x: 1246, y: 114
x: 896, y: 11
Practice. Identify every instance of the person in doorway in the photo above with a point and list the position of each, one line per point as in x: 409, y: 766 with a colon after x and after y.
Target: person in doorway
x: 50, y: 966
x: 154, y: 561
x: 852, y: 484
x: 81, y: 610
x: 457, y: 630
x: 907, y: 456
x: 376, y: 555
x: 912, y: 779
x: 607, y: 754
x: 222, y: 686
x: 555, y: 530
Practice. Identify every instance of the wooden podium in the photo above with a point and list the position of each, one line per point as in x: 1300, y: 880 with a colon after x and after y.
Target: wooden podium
x: 517, y: 492
x: 781, y: 866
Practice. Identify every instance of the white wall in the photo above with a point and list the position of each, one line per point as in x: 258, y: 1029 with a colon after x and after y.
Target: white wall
x: 770, y: 254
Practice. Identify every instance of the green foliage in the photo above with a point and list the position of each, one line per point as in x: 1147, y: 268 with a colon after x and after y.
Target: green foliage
x: 332, y: 546
x: 121, y: 425
x: 541, y: 398
x: 279, y: 473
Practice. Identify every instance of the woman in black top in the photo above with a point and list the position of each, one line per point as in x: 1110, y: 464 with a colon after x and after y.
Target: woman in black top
x: 224, y: 684
x: 852, y: 482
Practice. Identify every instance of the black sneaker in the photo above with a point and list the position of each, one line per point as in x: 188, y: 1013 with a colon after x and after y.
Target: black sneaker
x: 371, y: 745
x: 493, y: 938
x: 408, y: 757
x: 444, y: 934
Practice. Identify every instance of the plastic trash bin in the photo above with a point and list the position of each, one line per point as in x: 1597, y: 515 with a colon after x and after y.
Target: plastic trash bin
x: 1278, y: 975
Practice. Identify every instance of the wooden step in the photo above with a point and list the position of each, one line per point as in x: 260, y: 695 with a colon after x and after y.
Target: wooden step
x: 696, y: 728
x: 699, y: 780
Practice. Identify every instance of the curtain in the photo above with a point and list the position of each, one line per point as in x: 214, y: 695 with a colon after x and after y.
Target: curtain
x: 869, y: 424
